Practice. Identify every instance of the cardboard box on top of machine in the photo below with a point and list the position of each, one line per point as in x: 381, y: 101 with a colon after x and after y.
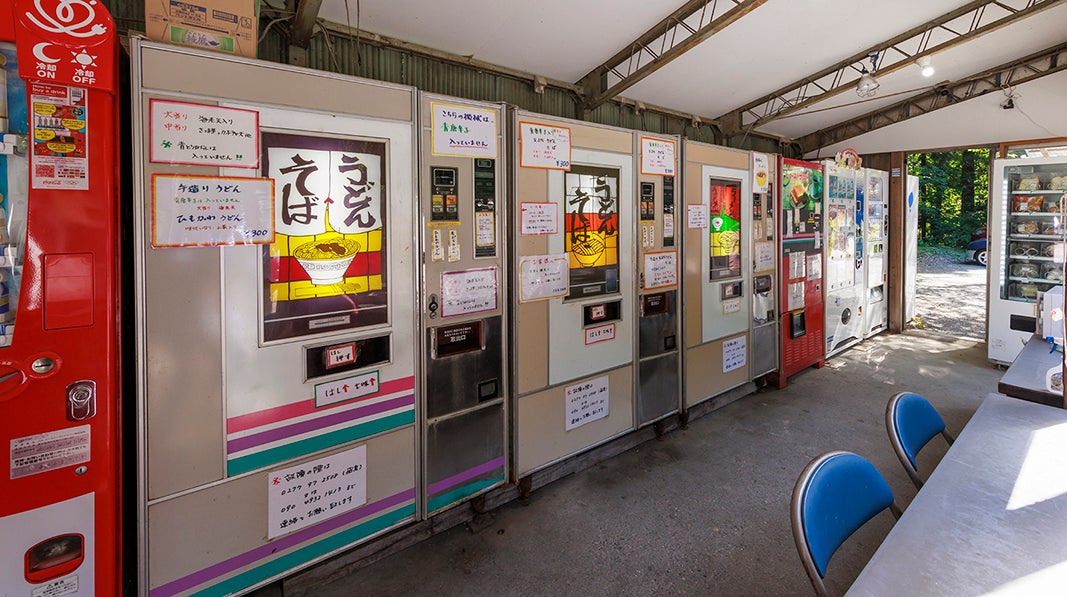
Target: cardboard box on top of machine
x: 228, y: 26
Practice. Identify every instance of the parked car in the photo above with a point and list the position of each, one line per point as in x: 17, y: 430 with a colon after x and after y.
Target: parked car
x: 976, y: 251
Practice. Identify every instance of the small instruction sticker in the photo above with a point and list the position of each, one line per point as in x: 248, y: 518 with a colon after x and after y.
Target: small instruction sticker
x: 68, y: 585
x: 600, y: 333
x: 340, y: 390
x: 48, y: 451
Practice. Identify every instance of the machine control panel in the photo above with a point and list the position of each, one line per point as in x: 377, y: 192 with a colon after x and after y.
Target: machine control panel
x: 484, y: 207
x: 444, y: 198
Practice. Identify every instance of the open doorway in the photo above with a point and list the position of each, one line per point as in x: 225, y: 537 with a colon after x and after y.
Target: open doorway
x: 951, y: 279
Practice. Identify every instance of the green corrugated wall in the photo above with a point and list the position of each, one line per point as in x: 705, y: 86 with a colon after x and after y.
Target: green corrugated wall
x: 338, y: 54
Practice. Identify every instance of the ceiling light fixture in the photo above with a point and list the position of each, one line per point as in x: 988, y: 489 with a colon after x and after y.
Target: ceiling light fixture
x: 868, y: 85
x: 924, y: 64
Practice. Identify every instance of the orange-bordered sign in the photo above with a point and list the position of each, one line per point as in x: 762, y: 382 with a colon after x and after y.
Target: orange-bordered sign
x: 67, y: 42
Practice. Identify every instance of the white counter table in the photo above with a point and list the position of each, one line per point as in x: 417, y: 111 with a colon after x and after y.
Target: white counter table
x: 992, y: 518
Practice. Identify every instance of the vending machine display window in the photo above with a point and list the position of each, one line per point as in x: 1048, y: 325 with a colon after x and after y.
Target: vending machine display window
x: 325, y: 270
x: 1033, y: 227
x: 591, y: 200
x: 14, y: 187
x: 724, y: 213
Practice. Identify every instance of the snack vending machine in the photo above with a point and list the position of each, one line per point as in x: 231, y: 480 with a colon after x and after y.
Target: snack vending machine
x: 764, y: 266
x: 718, y: 278
x: 464, y: 302
x: 843, y: 257
x: 60, y: 523
x: 276, y: 316
x: 801, y: 270
x: 659, y: 313
x: 574, y: 290
x: 875, y: 250
x: 1026, y: 255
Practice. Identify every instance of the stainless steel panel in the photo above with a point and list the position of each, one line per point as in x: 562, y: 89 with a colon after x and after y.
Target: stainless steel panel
x: 764, y: 349
x: 464, y: 455
x: 453, y: 382
x: 658, y: 388
x: 658, y: 333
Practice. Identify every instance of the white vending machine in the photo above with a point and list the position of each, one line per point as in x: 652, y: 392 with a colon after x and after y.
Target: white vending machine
x: 1026, y: 226
x: 875, y: 248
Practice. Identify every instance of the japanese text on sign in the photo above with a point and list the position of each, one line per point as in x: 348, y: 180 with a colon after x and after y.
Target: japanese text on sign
x: 586, y: 402
x: 347, y: 388
x: 184, y: 133
x: 200, y: 211
x: 461, y: 131
x: 697, y: 216
x: 657, y: 156
x: 661, y: 269
x: 599, y: 333
x: 539, y: 218
x: 59, y: 123
x: 734, y: 354
x: 471, y: 291
x: 542, y: 277
x: 544, y: 146
x: 309, y: 493
x: 760, y: 173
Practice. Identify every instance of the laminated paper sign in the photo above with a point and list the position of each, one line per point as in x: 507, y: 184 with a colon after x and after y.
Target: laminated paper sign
x: 463, y: 131
x: 544, y: 146
x: 760, y: 173
x: 543, y: 277
x: 587, y: 402
x: 661, y: 269
x: 538, y: 218
x: 59, y: 137
x: 302, y: 495
x: 698, y: 215
x: 471, y: 291
x: 657, y: 156
x: 734, y: 354
x: 195, y: 134
x: 203, y: 211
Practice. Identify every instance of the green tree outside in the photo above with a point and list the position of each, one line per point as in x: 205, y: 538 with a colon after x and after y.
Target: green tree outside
x: 953, y: 194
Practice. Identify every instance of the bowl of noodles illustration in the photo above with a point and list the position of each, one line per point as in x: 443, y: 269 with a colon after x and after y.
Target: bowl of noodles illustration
x: 326, y: 260
x: 587, y: 249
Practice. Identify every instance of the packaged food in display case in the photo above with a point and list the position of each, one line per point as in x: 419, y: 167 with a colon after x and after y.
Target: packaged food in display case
x: 1028, y: 225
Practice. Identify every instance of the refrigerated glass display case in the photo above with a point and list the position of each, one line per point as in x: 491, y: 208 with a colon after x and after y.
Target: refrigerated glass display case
x: 1026, y: 236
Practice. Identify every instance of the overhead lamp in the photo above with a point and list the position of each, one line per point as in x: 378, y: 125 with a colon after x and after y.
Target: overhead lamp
x: 868, y: 85
x: 924, y: 64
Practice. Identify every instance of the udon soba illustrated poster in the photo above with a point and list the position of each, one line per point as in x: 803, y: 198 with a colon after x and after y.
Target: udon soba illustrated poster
x: 326, y: 270
x: 591, y: 205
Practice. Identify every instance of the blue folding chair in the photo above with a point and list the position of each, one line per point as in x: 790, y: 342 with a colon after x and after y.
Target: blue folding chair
x: 912, y: 422
x: 836, y: 494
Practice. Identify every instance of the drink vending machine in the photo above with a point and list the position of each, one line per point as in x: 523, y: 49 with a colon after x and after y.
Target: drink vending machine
x: 801, y: 270
x: 764, y: 266
x: 875, y: 243
x: 659, y: 313
x: 60, y: 523
x: 276, y: 316
x: 843, y: 255
x: 464, y: 302
x: 1027, y: 231
x: 574, y: 287
x: 718, y: 280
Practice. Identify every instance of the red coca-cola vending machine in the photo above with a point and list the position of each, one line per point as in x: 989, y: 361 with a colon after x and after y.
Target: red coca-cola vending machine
x: 59, y: 366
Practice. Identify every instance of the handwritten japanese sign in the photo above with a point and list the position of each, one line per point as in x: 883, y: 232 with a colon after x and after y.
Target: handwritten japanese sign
x: 760, y: 173
x: 60, y: 137
x: 184, y: 133
x: 463, y: 131
x: 311, y: 492
x: 586, y: 402
x: 347, y: 388
x: 734, y: 354
x: 657, y: 156
x: 538, y: 218
x: 661, y: 269
x: 542, y: 277
x: 599, y: 333
x: 470, y: 291
x: 204, y: 211
x: 697, y: 216
x: 543, y: 146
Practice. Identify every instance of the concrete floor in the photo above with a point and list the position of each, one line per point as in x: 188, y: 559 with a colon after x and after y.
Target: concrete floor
x: 704, y: 511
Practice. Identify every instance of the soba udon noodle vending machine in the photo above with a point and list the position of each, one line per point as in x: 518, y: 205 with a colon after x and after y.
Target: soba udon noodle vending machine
x: 60, y: 510
x: 464, y: 303
x: 276, y: 316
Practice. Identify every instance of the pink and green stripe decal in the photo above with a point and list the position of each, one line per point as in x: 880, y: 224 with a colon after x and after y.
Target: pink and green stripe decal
x: 380, y: 515
x: 267, y: 437
x: 452, y: 489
